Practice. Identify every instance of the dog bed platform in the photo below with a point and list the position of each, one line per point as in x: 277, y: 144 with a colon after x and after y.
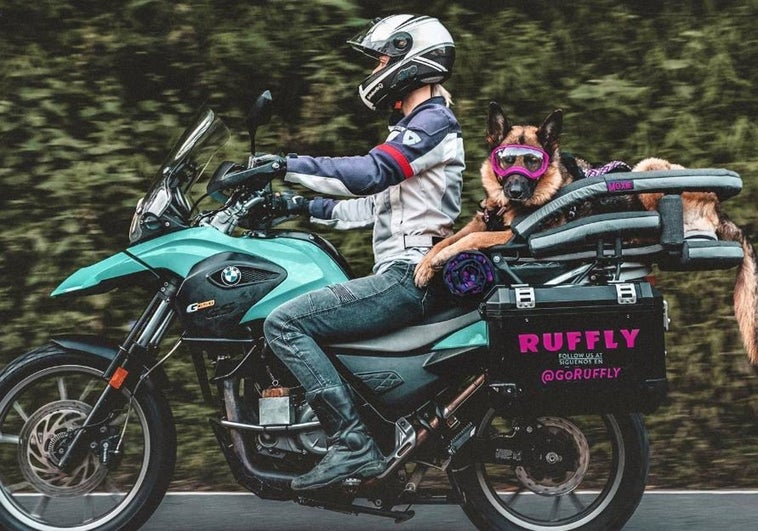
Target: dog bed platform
x: 653, y: 237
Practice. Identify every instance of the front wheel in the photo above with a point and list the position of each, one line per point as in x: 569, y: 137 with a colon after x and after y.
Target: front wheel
x: 554, y: 473
x: 45, y: 396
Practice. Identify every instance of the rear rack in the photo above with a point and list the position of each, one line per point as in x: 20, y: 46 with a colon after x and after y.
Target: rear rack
x: 655, y: 237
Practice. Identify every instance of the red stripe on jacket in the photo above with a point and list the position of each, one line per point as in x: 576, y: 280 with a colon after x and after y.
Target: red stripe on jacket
x: 398, y: 157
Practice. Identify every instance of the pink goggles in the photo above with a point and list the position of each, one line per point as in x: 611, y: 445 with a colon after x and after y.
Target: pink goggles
x: 528, y: 161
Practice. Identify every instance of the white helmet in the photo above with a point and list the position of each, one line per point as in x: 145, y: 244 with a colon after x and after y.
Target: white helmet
x: 420, y: 50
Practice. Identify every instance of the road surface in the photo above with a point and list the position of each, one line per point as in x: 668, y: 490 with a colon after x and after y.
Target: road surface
x: 658, y: 511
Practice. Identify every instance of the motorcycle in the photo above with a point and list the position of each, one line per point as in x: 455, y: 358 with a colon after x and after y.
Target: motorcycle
x: 529, y: 397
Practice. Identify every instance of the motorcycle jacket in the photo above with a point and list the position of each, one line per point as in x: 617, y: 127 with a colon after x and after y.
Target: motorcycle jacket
x: 408, y: 188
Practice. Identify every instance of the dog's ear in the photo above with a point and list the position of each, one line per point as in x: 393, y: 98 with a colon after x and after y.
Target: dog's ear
x: 497, y: 125
x: 549, y: 133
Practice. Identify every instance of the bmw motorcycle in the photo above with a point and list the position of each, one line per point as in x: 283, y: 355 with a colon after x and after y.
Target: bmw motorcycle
x: 527, y: 399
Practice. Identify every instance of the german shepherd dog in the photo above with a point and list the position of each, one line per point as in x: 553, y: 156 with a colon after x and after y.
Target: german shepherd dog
x: 529, y: 173
x: 525, y: 170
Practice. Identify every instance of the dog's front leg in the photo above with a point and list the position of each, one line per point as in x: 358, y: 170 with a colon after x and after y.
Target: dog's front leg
x: 472, y: 242
x: 425, y: 269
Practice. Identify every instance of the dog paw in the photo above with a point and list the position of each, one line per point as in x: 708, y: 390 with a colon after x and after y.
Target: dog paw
x: 423, y: 274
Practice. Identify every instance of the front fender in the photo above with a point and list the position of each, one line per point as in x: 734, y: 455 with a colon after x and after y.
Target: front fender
x: 89, y: 344
x: 102, y: 348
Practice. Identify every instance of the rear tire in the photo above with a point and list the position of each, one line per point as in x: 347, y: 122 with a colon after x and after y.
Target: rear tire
x: 604, y: 461
x: 44, y: 396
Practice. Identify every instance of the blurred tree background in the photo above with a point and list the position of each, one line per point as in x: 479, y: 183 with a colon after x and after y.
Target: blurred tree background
x: 92, y: 94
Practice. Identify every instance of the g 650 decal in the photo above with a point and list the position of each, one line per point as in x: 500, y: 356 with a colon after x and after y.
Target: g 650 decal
x: 196, y: 306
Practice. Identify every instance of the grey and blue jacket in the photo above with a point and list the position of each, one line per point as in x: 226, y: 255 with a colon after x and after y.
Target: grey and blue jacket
x: 408, y: 188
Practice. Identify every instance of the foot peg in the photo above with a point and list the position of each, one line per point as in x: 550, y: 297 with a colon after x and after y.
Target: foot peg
x: 352, y: 483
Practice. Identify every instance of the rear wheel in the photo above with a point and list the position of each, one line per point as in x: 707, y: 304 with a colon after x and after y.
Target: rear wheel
x: 584, y: 472
x: 45, y: 396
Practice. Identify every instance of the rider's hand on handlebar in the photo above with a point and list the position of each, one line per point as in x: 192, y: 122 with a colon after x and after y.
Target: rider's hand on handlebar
x: 289, y: 203
x: 261, y: 170
x: 275, y: 163
x: 281, y: 207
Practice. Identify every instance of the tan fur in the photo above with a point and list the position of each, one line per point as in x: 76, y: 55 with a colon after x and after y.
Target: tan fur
x: 699, y: 207
x: 474, y: 236
x: 702, y: 213
x: 548, y: 185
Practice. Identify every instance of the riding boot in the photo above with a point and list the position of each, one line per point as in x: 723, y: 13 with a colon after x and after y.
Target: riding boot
x: 352, y: 453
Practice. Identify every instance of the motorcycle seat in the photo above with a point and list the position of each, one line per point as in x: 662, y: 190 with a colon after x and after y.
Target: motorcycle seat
x: 413, y: 338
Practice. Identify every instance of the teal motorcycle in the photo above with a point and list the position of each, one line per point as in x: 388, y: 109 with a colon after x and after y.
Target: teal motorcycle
x: 528, y: 398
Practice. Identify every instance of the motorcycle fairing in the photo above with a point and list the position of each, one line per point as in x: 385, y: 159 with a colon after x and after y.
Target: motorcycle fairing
x: 458, y: 328
x: 308, y: 266
x: 394, y: 385
x: 89, y: 279
x: 397, y: 385
x: 474, y: 335
x: 220, y: 289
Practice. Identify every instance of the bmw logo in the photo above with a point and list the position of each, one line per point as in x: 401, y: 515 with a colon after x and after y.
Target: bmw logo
x: 231, y: 276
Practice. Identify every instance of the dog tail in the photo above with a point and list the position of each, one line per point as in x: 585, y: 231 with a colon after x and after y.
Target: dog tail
x: 745, y: 287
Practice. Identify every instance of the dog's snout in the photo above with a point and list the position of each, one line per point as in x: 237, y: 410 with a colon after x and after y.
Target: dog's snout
x: 518, y: 188
x: 515, y: 189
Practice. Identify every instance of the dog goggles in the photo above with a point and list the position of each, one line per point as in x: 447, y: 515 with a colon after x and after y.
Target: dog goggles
x: 529, y: 161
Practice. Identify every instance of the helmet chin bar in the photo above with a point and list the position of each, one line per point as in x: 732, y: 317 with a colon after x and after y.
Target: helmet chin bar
x: 375, y: 89
x: 367, y: 102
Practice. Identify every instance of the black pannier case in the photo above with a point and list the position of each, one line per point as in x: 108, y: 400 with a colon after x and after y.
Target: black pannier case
x: 578, y: 349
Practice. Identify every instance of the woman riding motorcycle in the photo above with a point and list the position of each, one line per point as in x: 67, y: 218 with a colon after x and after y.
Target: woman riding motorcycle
x: 409, y: 189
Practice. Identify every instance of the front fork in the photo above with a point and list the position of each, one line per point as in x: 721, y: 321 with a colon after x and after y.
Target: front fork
x: 125, y: 368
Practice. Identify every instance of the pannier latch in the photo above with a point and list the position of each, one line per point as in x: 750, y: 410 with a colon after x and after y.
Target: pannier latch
x: 626, y: 294
x: 525, y: 298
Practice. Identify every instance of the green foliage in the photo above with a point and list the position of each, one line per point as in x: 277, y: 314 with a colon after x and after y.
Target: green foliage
x: 92, y: 94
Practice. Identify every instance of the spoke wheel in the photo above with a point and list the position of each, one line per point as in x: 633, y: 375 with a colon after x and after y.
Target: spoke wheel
x: 45, y: 397
x: 585, y: 472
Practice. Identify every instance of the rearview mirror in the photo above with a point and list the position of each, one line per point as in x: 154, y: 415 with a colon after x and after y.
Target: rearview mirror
x: 260, y: 114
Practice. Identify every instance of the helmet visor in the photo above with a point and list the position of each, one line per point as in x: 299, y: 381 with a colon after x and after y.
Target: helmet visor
x: 381, y: 38
x: 529, y: 161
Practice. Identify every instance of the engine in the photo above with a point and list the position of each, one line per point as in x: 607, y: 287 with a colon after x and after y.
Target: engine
x: 276, y: 442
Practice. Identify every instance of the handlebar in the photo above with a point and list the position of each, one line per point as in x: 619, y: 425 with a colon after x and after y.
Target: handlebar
x: 251, y: 203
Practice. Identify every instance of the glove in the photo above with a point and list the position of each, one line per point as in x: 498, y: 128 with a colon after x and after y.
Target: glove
x: 273, y: 164
x: 287, y: 203
x: 261, y: 170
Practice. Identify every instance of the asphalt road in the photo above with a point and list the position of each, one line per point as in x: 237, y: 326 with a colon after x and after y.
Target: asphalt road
x: 658, y: 511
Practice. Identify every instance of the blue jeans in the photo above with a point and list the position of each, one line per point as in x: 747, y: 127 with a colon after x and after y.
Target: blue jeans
x: 362, y: 307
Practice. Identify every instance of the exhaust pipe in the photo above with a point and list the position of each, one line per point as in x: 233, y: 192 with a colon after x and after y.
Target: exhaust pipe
x: 266, y: 484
